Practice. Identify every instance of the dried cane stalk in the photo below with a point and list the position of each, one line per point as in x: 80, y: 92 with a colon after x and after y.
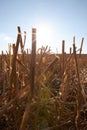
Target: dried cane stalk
x: 32, y: 73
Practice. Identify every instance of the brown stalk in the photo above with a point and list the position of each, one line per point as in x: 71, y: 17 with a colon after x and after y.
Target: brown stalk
x: 32, y: 81
x: 79, y: 96
x: 13, y: 78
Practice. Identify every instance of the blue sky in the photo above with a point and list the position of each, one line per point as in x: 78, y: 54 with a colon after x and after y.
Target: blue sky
x: 64, y: 19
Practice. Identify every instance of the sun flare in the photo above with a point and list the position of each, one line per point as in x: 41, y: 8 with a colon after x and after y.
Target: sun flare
x: 44, y: 34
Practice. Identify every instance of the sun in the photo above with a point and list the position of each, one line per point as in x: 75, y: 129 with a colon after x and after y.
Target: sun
x: 44, y: 34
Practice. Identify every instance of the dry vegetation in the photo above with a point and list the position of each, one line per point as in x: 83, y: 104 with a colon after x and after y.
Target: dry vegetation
x: 42, y: 91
